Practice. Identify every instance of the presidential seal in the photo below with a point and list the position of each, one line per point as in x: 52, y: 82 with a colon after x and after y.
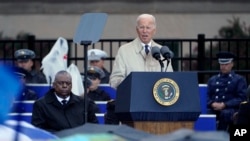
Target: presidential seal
x: 166, y: 92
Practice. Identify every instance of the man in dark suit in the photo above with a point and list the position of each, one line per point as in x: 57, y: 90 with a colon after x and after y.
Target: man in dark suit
x: 243, y: 115
x: 60, y: 109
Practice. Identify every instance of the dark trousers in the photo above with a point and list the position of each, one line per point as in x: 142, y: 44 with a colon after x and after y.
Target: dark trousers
x: 224, y: 118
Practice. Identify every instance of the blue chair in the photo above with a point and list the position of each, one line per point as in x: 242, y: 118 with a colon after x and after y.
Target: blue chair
x: 100, y: 118
x: 40, y: 89
x: 203, y: 97
x: 22, y: 106
x: 101, y: 105
x: 205, y: 122
x: 21, y: 117
x: 107, y: 88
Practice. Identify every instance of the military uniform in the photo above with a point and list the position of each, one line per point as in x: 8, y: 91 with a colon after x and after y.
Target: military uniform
x: 97, y: 94
x: 25, y: 93
x: 23, y: 55
x: 97, y: 55
x: 228, y: 88
x: 36, y: 77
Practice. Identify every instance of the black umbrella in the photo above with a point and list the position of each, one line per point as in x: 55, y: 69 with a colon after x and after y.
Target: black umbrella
x: 123, y: 131
x: 191, y: 135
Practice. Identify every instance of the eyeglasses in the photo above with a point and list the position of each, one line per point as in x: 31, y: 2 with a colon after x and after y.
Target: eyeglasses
x: 63, y: 82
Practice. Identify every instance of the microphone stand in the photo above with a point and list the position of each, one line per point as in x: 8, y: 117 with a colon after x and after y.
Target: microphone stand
x: 162, y: 65
x: 85, y: 45
x: 168, y: 61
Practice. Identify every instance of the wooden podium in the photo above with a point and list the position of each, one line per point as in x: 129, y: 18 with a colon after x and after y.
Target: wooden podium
x: 159, y: 127
x: 138, y: 101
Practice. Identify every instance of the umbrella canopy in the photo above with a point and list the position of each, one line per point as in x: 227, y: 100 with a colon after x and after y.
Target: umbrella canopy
x: 26, y: 129
x: 190, y: 135
x: 92, y: 137
x: 124, y: 131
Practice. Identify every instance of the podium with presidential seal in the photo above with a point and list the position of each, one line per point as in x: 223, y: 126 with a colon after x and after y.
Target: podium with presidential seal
x: 159, y: 102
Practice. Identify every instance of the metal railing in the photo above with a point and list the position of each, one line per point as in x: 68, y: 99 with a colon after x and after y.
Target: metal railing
x: 190, y: 54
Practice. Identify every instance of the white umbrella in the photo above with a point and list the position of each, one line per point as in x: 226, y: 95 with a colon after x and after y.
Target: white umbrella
x: 77, y: 83
x: 55, y: 60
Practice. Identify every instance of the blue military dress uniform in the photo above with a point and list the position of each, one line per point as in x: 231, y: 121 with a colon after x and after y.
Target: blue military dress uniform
x: 34, y: 76
x: 230, y: 89
x: 226, y: 87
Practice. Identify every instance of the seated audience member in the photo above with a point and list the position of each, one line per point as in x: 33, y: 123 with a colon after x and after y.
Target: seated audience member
x: 96, y: 58
x: 110, y: 116
x: 95, y: 74
x: 243, y: 115
x: 225, y: 91
x: 25, y: 93
x: 60, y: 109
x: 24, y: 59
x: 88, y: 84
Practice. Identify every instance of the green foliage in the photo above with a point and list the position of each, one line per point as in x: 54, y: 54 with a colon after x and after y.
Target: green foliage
x: 8, y: 47
x: 235, y: 29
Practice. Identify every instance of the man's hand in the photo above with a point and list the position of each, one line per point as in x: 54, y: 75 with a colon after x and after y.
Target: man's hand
x: 218, y: 106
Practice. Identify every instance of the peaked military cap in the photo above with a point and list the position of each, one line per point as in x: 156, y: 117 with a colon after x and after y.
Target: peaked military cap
x: 89, y: 83
x: 24, y: 54
x: 96, y: 72
x: 96, y: 54
x: 225, y: 57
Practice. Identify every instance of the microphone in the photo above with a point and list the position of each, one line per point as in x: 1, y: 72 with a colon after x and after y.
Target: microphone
x: 155, y: 51
x: 166, y: 52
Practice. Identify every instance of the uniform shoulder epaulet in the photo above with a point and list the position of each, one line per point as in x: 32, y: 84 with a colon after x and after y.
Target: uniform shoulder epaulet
x: 244, y: 102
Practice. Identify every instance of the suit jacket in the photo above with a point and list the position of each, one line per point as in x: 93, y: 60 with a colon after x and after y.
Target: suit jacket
x: 131, y: 57
x: 49, y: 114
x: 244, y: 114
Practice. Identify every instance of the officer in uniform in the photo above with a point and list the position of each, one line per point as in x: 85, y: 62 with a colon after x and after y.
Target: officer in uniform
x: 96, y: 58
x: 24, y: 60
x: 25, y: 93
x: 225, y: 91
x: 95, y: 74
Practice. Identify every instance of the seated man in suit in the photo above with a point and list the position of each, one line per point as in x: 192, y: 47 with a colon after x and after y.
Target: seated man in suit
x: 243, y: 115
x: 60, y: 109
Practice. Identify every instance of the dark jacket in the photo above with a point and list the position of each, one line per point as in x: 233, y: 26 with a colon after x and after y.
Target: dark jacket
x: 99, y: 95
x: 36, y: 77
x: 105, y: 79
x: 27, y: 94
x: 49, y: 114
x: 243, y: 117
x: 228, y: 88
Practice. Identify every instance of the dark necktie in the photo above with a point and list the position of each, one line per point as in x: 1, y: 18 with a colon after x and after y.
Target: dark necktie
x: 146, y: 49
x: 64, y: 102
